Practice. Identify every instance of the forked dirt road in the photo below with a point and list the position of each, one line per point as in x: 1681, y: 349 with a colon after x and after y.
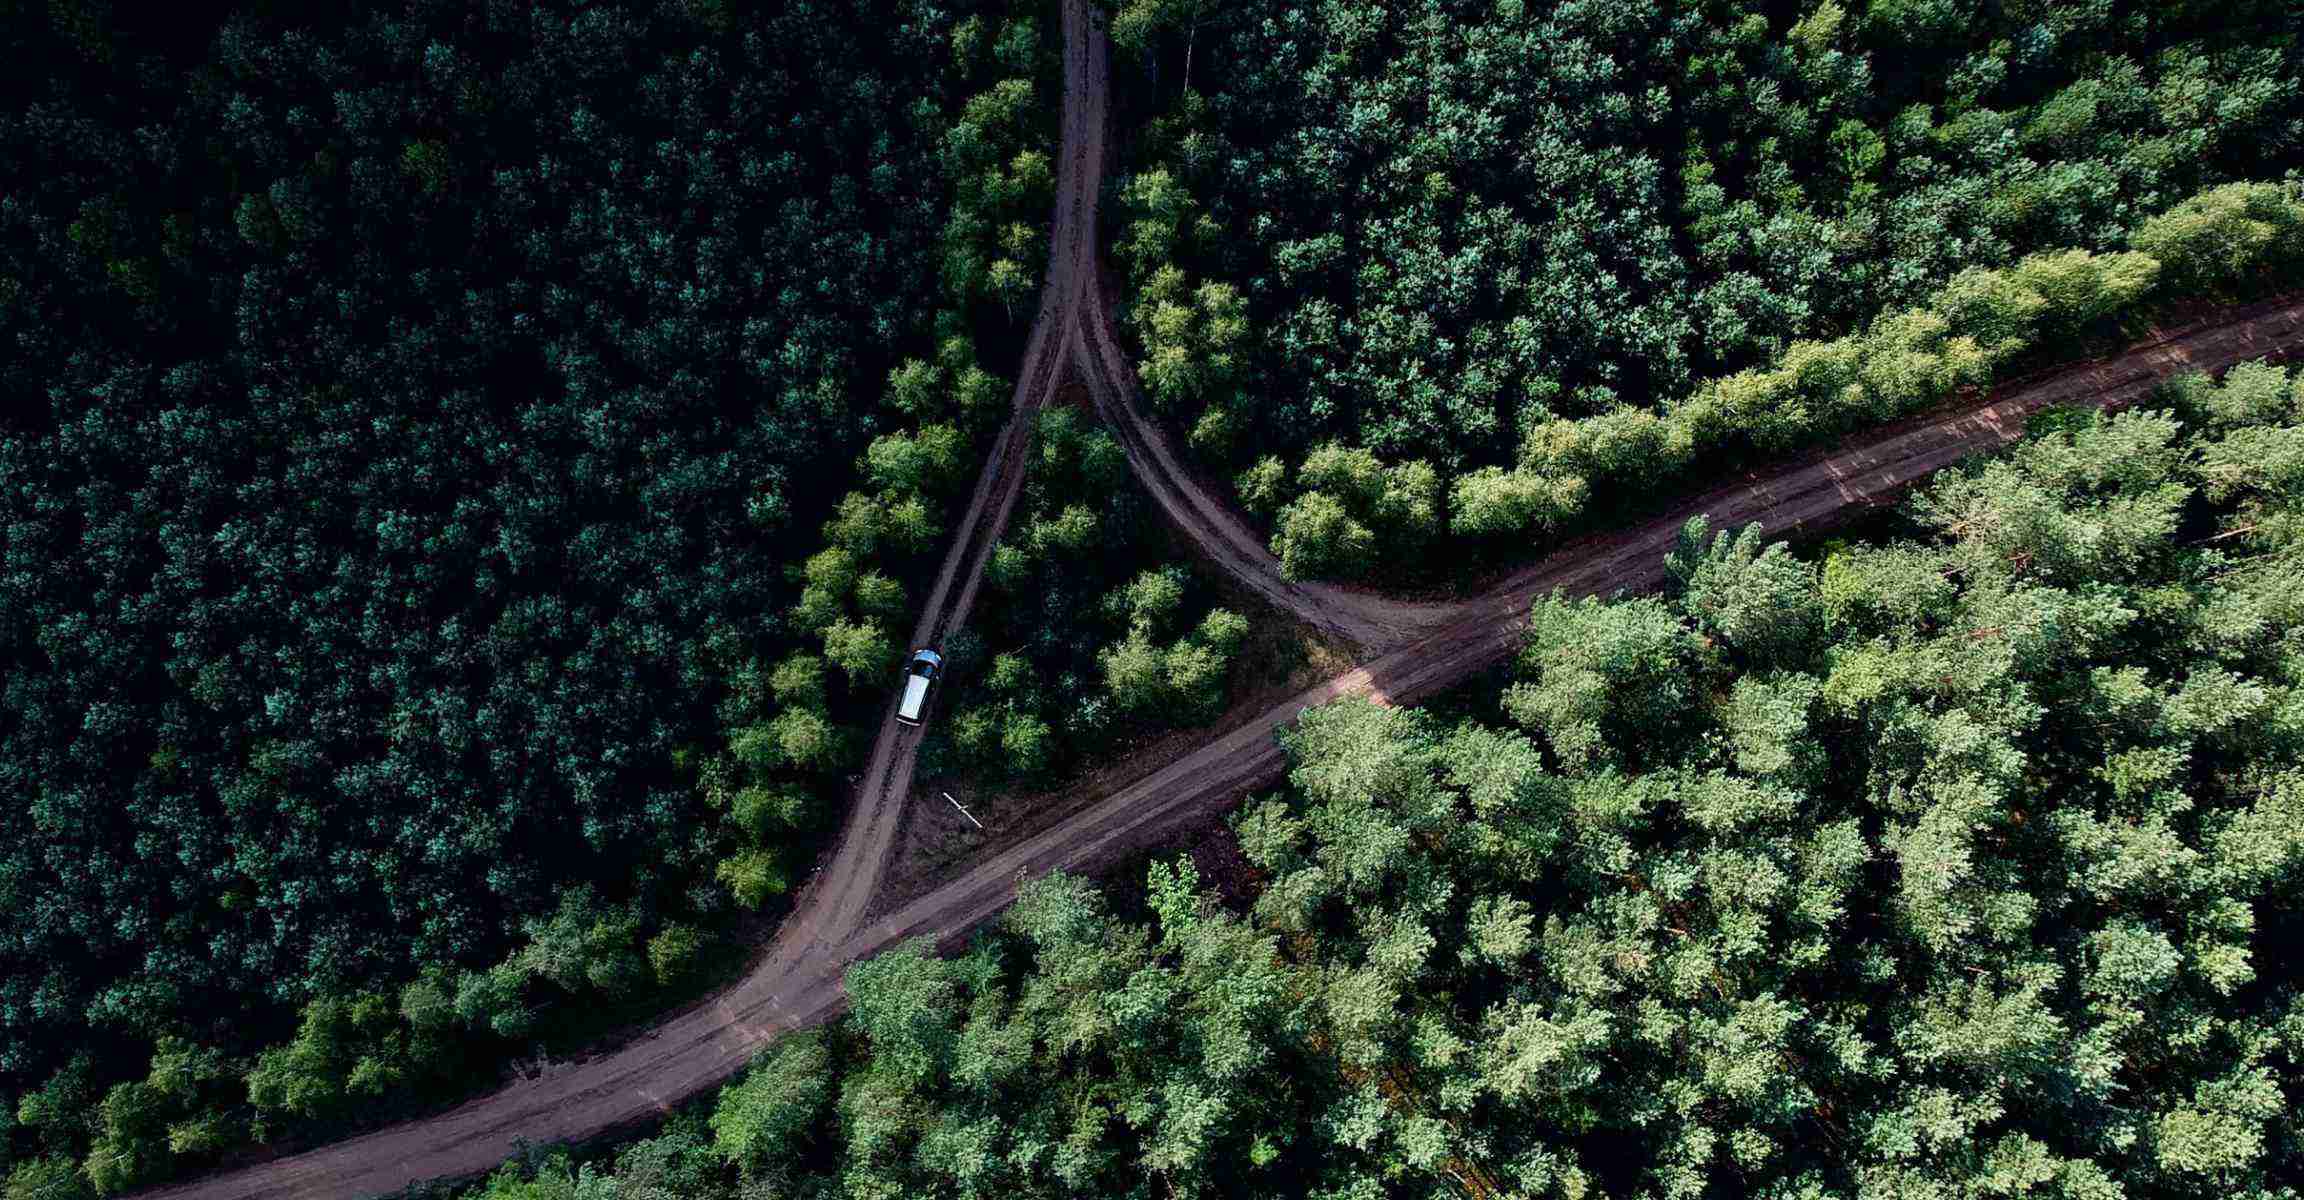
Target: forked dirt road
x: 1415, y: 650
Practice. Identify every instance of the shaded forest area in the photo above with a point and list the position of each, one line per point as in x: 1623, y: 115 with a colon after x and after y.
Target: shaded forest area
x: 1448, y: 273
x: 1960, y: 861
x: 418, y: 422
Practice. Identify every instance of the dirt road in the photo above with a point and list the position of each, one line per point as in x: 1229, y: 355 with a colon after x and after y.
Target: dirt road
x: 1418, y: 649
x: 1225, y: 541
x: 1483, y: 632
x: 797, y: 981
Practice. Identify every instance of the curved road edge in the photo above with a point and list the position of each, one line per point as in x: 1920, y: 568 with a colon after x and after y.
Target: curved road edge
x: 797, y: 980
x: 1796, y: 501
x: 1427, y: 648
x: 703, y: 1046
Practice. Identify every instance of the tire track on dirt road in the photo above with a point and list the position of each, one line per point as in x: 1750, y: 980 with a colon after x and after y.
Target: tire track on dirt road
x: 1795, y: 501
x: 797, y: 980
x: 1217, y: 531
x: 1418, y: 650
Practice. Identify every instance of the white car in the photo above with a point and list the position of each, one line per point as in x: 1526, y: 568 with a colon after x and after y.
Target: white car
x: 926, y: 665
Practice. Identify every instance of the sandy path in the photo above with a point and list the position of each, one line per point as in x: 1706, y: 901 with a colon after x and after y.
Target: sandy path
x: 797, y: 980
x: 1417, y: 650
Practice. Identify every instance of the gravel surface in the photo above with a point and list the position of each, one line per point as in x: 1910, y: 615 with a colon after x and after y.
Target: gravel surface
x: 1413, y: 649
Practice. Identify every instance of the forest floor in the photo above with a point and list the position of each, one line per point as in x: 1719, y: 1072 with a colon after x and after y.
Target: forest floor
x: 1410, y: 650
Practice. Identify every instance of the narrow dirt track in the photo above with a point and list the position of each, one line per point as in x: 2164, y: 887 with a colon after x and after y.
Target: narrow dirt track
x: 1419, y: 649
x: 1485, y: 631
x: 1223, y: 538
x: 797, y: 981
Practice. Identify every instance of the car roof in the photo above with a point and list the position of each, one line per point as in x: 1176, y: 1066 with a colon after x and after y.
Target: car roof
x: 930, y: 655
